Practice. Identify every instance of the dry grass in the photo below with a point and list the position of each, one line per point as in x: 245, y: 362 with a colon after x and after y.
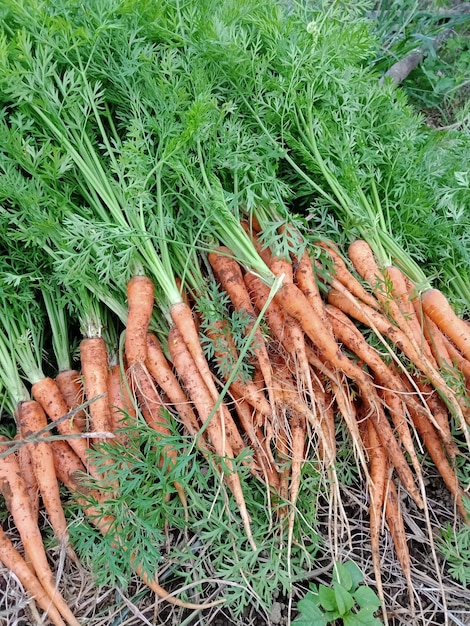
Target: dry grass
x: 95, y: 606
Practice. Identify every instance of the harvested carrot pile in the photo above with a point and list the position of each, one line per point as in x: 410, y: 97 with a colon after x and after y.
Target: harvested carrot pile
x: 212, y: 319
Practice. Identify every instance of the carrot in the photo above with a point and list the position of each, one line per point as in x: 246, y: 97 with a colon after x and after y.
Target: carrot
x: 378, y: 472
x: 225, y: 429
x: 152, y: 407
x: 230, y: 276
x: 399, y: 291
x: 436, y: 341
x: 224, y: 346
x: 156, y: 416
x: 380, y: 324
x: 438, y: 409
x: 32, y: 419
x: 140, y: 298
x: 346, y: 278
x: 433, y: 445
x: 16, y: 497
x: 305, y: 279
x: 162, y: 373
x: 461, y: 362
x: 70, y: 386
x: 396, y: 409
x: 295, y: 303
x: 12, y: 559
x: 47, y: 393
x: 275, y: 316
x: 94, y: 361
x: 396, y: 527
x: 27, y: 471
x: 282, y: 267
x: 120, y: 403
x: 437, y: 307
x: 365, y: 264
x: 298, y: 432
x: 256, y: 438
x: 68, y: 467
x: 288, y: 332
x: 326, y: 412
x: 183, y: 319
x: 432, y: 334
x: 295, y: 432
x: 218, y: 432
x: 394, y: 390
x: 394, y: 453
x: 283, y: 453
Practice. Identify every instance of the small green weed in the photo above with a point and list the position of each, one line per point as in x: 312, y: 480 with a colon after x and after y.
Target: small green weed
x: 346, y: 600
x: 455, y: 545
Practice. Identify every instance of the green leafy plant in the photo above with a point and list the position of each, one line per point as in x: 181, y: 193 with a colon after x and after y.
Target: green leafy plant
x: 346, y: 600
x: 455, y: 546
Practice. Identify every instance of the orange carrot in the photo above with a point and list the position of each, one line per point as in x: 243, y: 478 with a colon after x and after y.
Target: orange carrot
x: 378, y: 472
x: 282, y: 267
x: 283, y: 452
x: 47, y: 393
x: 305, y: 279
x: 183, y: 319
x: 70, y: 386
x: 396, y: 527
x: 27, y: 471
x: 433, y: 445
x: 460, y: 362
x: 399, y: 291
x: 288, y: 332
x: 183, y: 365
x: 295, y: 432
x: 265, y: 463
x: 32, y: 419
x: 94, y: 361
x: 365, y: 264
x: 436, y: 340
x: 152, y: 407
x: 433, y: 335
x: 387, y: 377
x: 162, y: 373
x: 230, y: 276
x: 348, y: 280
x: 295, y: 303
x: 218, y: 430
x: 363, y: 259
x: 437, y: 307
x: 157, y: 416
x: 224, y: 346
x: 140, y: 298
x: 122, y: 410
x: 374, y: 319
x: 12, y: 559
x: 396, y: 409
x: 16, y: 497
x: 438, y: 409
x: 68, y: 466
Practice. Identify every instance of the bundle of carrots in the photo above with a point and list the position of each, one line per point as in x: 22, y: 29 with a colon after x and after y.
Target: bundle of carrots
x: 305, y: 366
